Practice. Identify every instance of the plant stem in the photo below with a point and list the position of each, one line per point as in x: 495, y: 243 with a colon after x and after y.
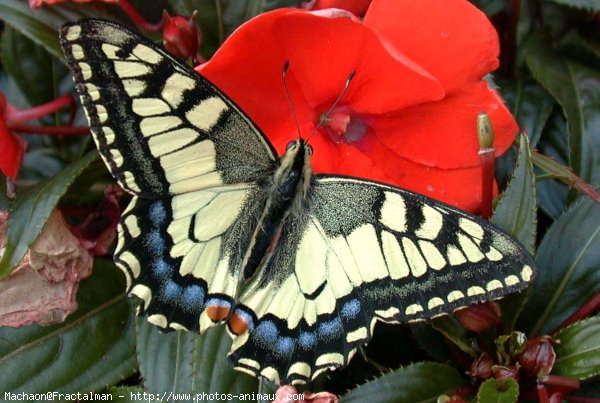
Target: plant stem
x: 583, y: 312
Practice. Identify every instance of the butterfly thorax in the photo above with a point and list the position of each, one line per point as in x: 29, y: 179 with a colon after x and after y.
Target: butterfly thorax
x: 286, y: 193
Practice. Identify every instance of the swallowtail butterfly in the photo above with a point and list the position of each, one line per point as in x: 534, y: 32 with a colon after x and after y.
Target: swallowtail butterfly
x: 300, y: 266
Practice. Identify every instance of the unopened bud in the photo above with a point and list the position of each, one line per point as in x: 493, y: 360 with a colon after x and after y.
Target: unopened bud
x: 479, y: 317
x: 485, y: 131
x: 538, y: 357
x: 482, y: 367
x: 180, y: 35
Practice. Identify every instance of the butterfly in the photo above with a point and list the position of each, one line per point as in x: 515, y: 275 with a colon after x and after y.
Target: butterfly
x: 220, y: 229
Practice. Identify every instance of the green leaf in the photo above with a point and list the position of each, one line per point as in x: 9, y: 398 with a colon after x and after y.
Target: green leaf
x: 41, y: 25
x: 576, y: 87
x: 578, y: 353
x: 494, y: 391
x: 31, y: 210
x: 590, y: 5
x: 516, y: 213
x: 421, y: 382
x: 185, y: 362
x: 92, y: 349
x: 450, y: 327
x: 568, y: 262
x: 28, y: 64
x: 531, y: 106
x: 516, y: 210
x: 551, y: 161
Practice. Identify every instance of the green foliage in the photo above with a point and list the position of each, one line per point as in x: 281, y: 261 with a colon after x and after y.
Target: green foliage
x: 550, y: 79
x: 578, y: 350
x: 422, y: 382
x: 496, y: 391
x: 93, y: 349
x: 184, y: 362
x: 568, y: 261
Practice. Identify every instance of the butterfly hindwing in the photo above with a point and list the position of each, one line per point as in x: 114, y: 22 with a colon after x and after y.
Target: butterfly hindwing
x: 160, y: 127
x: 181, y: 254
x: 382, y: 253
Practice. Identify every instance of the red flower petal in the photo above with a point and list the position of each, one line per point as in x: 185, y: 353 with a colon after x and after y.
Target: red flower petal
x: 443, y: 134
x: 247, y: 67
x: 356, y: 7
x: 370, y: 158
x: 323, y: 51
x: 13, y: 149
x: 452, y: 39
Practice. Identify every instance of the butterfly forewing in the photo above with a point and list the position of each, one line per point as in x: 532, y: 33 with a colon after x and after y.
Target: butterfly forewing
x: 160, y: 127
x: 381, y: 254
x: 190, y: 157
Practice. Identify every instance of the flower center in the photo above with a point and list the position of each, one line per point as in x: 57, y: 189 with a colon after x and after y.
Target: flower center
x: 345, y: 126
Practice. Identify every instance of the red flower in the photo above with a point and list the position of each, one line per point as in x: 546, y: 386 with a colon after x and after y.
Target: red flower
x: 356, y: 7
x: 12, y: 147
x: 409, y: 116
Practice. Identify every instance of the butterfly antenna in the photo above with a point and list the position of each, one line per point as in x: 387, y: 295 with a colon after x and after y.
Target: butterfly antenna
x: 337, y: 101
x: 284, y: 70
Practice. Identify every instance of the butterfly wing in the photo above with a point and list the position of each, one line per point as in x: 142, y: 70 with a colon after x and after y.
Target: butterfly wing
x: 188, y: 155
x: 364, y: 252
x: 160, y: 127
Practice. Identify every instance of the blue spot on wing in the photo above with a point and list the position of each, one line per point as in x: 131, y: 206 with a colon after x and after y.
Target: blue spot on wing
x: 351, y: 309
x: 162, y: 268
x: 157, y: 213
x: 330, y: 329
x: 193, y: 297
x: 155, y: 243
x: 266, y: 333
x: 284, y: 346
x: 171, y: 290
x: 307, y: 340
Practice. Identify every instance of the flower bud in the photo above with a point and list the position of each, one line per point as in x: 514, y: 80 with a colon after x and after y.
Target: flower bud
x: 480, y: 317
x: 485, y: 131
x: 538, y: 357
x: 482, y: 367
x: 181, y: 37
x: 502, y: 373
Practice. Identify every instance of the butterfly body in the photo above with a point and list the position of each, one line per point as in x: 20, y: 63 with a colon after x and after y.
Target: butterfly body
x: 301, y: 266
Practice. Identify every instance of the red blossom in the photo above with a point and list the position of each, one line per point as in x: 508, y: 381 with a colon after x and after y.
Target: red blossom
x: 12, y: 146
x: 356, y: 7
x: 11, y: 121
x: 409, y: 117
